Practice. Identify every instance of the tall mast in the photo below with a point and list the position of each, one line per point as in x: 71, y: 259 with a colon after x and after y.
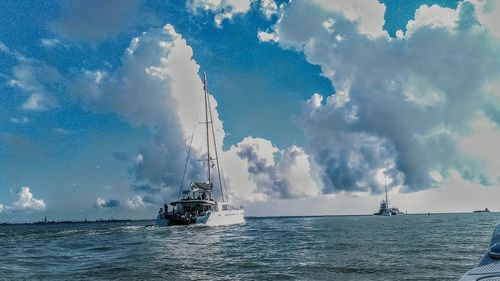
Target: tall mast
x: 385, y: 185
x: 205, y: 88
x: 216, y: 153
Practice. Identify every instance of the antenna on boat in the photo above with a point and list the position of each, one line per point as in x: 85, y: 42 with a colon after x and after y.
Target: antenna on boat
x: 385, y: 185
x: 213, y: 136
x: 205, y: 88
x: 216, y: 153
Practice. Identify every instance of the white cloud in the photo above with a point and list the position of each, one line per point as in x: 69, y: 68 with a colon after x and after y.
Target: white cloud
x: 159, y: 65
x: 26, y: 202
x: 135, y: 202
x: 268, y: 8
x: 482, y: 143
x: 100, y: 202
x: 38, y: 80
x: 488, y: 13
x: 23, y: 120
x: 400, y: 34
x: 432, y: 17
x: 49, y: 42
x: 223, y: 9
x: 139, y: 159
x: 35, y: 102
x: 367, y: 14
x: 266, y: 36
x: 157, y: 86
x: 402, y: 106
x: 4, y: 48
x: 255, y: 174
x: 228, y: 9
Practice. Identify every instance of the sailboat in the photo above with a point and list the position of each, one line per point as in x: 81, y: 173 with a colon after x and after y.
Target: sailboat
x: 198, y: 205
x: 384, y: 209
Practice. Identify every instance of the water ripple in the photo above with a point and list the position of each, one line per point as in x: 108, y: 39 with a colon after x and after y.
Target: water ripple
x: 413, y: 247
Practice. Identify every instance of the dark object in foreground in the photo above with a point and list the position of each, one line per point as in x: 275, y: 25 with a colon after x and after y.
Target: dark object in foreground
x: 489, y: 267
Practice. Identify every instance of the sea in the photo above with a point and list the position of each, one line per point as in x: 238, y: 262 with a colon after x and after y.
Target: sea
x: 409, y: 247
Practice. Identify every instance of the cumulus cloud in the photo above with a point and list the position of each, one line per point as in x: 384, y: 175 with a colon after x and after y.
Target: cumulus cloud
x: 401, y: 104
x: 267, y: 36
x: 288, y: 177
x: 488, y: 13
x: 111, y: 203
x: 228, y: 9
x: 368, y: 15
x: 223, y: 9
x: 432, y: 17
x: 25, y: 202
x: 268, y: 8
x: 481, y: 142
x: 159, y: 87
x: 135, y: 202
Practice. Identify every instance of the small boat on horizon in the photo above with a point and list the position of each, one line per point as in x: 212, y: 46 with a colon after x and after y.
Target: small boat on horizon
x: 198, y: 205
x: 482, y: 211
x: 384, y: 209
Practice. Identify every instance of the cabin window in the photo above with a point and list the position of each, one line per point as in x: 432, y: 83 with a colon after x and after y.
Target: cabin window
x: 224, y: 207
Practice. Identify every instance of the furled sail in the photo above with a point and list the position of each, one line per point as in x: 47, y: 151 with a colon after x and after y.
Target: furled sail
x: 201, y: 185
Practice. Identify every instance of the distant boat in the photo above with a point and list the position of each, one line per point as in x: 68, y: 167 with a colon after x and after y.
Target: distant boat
x: 384, y: 209
x: 197, y: 205
x: 489, y: 266
x: 482, y: 211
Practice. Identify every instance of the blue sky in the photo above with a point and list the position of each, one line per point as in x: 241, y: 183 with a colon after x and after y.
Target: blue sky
x: 72, y: 146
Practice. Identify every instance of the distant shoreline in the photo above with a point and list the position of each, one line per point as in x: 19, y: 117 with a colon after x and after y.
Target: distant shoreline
x: 248, y: 217
x: 68, y: 222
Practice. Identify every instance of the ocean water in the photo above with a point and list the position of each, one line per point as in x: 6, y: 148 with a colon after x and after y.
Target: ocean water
x: 411, y: 247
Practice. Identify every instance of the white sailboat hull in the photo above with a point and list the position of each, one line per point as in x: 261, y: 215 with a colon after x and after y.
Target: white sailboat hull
x: 216, y: 218
x: 162, y: 221
x: 226, y: 217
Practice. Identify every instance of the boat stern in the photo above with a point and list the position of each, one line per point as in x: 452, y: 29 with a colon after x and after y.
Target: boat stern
x: 161, y: 221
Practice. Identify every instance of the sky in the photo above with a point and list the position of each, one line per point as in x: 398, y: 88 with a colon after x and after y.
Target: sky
x: 317, y: 105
